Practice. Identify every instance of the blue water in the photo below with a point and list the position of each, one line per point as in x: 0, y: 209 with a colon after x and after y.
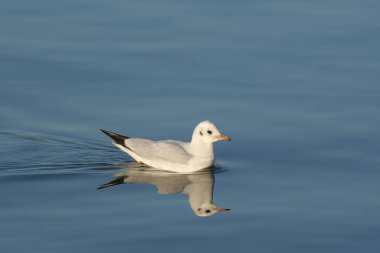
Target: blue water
x: 294, y: 83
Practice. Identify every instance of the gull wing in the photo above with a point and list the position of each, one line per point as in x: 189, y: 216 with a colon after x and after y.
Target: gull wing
x: 168, y: 150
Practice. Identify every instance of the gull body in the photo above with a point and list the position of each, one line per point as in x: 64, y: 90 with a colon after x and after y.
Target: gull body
x: 170, y: 155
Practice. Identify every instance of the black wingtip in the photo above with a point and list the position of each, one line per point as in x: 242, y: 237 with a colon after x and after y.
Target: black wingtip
x: 118, y: 138
x: 117, y: 181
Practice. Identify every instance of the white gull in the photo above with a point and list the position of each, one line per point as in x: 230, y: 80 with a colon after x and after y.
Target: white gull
x: 170, y: 155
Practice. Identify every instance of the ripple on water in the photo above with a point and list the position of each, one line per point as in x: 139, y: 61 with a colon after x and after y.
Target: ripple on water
x: 29, y: 153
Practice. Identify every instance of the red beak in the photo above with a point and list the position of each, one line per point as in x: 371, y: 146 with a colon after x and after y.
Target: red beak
x: 224, y: 137
x: 220, y: 209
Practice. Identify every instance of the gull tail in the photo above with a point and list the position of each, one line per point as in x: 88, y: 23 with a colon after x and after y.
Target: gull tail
x: 117, y: 181
x: 117, y: 138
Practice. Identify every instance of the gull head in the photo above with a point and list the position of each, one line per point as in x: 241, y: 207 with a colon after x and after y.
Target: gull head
x: 207, y: 132
x: 209, y: 209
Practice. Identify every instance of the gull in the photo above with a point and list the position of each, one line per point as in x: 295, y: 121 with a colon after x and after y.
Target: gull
x: 199, y: 186
x: 170, y: 155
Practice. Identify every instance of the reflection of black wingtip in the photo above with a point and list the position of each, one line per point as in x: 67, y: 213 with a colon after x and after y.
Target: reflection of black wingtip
x: 118, y: 138
x: 117, y: 181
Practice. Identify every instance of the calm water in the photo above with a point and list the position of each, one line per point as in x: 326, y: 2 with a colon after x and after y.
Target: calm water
x: 294, y: 83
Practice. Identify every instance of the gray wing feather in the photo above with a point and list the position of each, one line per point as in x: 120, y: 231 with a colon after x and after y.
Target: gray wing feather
x: 159, y: 150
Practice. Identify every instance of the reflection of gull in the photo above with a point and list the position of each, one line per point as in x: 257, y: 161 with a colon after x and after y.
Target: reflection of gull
x: 199, y: 186
x: 172, y: 155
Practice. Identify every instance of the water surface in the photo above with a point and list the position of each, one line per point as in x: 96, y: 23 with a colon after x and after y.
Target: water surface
x: 295, y: 84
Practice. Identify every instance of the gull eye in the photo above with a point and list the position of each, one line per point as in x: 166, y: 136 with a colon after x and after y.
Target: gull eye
x: 209, y: 132
x: 207, y: 211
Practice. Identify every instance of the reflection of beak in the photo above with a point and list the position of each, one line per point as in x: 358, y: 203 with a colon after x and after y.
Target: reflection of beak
x: 224, y: 137
x: 220, y: 209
